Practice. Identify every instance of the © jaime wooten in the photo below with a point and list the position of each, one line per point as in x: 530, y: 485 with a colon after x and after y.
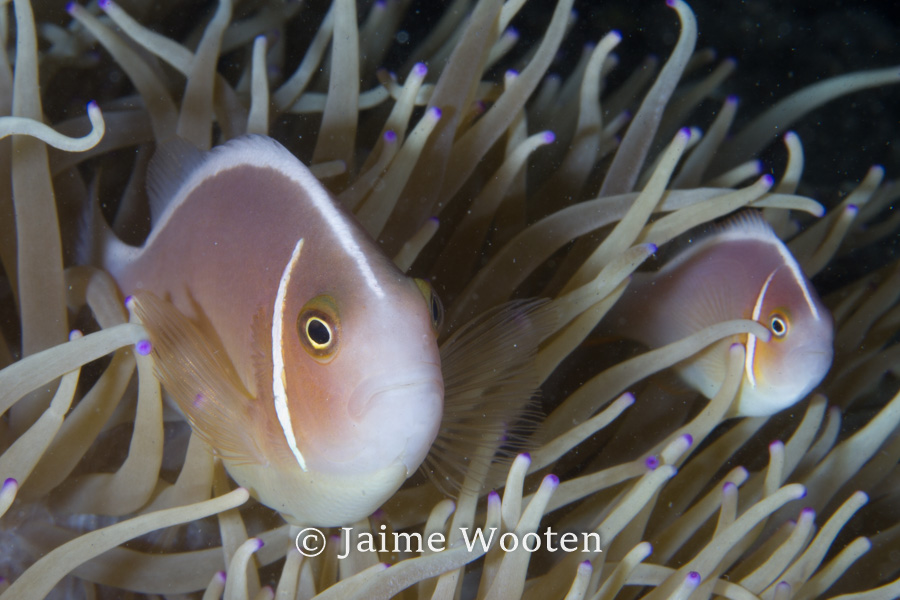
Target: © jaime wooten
x: 525, y: 188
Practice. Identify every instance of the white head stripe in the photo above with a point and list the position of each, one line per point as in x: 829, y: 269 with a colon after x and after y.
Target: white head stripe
x: 338, y: 224
x: 751, y: 339
x: 278, y: 375
x: 800, y: 278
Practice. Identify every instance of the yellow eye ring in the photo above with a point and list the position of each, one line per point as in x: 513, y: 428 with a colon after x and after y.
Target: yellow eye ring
x: 778, y: 325
x: 318, y: 327
x: 435, y: 307
x: 318, y: 332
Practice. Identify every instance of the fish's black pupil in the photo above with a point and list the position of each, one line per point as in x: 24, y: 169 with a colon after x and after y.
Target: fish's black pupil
x: 318, y: 332
x: 435, y: 310
x: 778, y: 327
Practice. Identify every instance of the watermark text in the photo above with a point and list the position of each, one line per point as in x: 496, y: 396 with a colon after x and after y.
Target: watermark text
x: 312, y: 541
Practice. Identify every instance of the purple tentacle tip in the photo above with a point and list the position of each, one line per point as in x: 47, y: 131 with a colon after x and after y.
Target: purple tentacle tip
x: 810, y: 512
x: 671, y: 3
x: 143, y: 347
x: 549, y: 137
x: 434, y: 220
x: 390, y: 136
x: 852, y: 209
x: 651, y: 462
x: 689, y: 439
x: 10, y: 482
x: 70, y: 7
x: 652, y: 248
x: 768, y: 180
x: 259, y: 543
x: 693, y: 578
x: 685, y: 132
x: 728, y: 486
x: 222, y: 576
x: 628, y: 398
x: 493, y: 496
x: 512, y: 73
x: 103, y: 4
x: 526, y: 456
x: 436, y: 112
x: 380, y: 4
x: 128, y: 300
x: 552, y: 479
x: 420, y: 69
x: 776, y: 444
x: 587, y: 564
x: 512, y: 32
x: 732, y: 99
x: 736, y: 345
x: 803, y: 493
x: 616, y: 34
x: 92, y: 104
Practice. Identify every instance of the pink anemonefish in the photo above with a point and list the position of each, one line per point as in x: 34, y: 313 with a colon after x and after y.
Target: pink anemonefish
x: 298, y: 351
x: 288, y: 340
x: 740, y: 270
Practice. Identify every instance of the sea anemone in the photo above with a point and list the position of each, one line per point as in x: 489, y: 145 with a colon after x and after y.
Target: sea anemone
x: 474, y: 164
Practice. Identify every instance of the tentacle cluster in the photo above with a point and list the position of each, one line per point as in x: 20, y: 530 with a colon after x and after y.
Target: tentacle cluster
x: 496, y: 185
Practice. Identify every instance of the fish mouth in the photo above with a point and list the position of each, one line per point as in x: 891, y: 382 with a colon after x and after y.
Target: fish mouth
x: 395, y: 417
x: 392, y: 387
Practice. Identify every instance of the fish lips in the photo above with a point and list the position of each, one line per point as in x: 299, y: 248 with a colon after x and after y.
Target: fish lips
x: 395, y: 416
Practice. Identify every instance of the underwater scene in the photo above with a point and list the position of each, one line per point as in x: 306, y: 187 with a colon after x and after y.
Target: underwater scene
x: 474, y: 299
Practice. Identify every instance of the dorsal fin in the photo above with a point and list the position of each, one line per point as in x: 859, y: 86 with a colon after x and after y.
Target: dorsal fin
x: 747, y: 223
x: 169, y: 168
x: 177, y: 160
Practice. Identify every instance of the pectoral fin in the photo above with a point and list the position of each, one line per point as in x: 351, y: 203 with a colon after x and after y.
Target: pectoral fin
x: 490, y: 383
x: 200, y: 378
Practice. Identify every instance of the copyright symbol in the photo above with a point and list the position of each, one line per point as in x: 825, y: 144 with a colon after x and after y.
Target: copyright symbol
x: 310, y: 542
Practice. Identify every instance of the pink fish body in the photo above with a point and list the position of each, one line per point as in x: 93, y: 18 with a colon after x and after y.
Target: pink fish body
x: 739, y: 271
x: 295, y: 348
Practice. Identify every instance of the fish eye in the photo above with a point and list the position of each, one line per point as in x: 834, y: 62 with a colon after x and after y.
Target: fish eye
x: 437, y: 312
x: 318, y: 328
x: 778, y: 324
x: 318, y: 332
x: 435, y: 307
